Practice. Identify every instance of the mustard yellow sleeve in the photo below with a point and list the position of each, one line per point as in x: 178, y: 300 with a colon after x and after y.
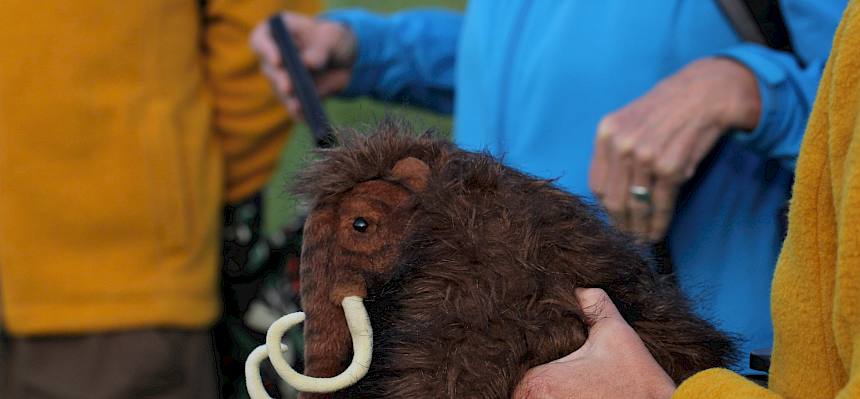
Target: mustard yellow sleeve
x: 250, y: 124
x: 847, y: 288
x: 721, y: 383
x: 816, y: 335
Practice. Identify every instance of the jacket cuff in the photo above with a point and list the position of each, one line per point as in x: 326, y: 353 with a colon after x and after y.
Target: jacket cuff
x: 778, y: 101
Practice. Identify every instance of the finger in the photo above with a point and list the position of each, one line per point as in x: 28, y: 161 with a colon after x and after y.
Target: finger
x: 670, y: 172
x: 320, y: 49
x: 300, y: 26
x: 639, y: 208
x: 663, y: 201
x: 599, y: 309
x: 279, y: 78
x: 316, y: 55
x: 641, y: 177
x: 314, y: 41
x: 600, y: 313
x: 263, y: 44
x: 332, y: 82
x: 617, y: 183
x: 295, y: 108
x: 600, y: 160
x: 617, y: 179
x: 673, y: 161
x: 701, y: 148
x: 270, y: 60
x: 676, y: 165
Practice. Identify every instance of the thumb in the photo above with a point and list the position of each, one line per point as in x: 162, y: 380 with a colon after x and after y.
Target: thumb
x: 332, y: 46
x: 312, y: 42
x: 321, y: 46
x: 601, y: 313
x: 602, y: 317
x: 316, y: 54
x: 263, y: 45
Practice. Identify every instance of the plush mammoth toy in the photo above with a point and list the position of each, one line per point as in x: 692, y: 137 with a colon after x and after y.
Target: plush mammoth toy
x: 466, y: 270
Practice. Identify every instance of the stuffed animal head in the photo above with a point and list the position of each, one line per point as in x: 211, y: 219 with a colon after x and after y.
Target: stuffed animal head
x: 362, y: 200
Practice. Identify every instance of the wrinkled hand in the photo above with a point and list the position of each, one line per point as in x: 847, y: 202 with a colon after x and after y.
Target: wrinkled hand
x: 658, y: 141
x: 613, y: 362
x: 328, y: 50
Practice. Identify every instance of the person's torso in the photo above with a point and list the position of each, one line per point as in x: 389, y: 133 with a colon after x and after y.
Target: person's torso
x: 534, y: 78
x: 110, y: 178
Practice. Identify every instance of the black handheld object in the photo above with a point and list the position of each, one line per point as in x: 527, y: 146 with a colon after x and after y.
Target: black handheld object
x: 303, y: 84
x: 760, y: 359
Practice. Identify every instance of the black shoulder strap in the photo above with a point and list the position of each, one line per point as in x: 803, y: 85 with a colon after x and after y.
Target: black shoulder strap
x: 758, y: 21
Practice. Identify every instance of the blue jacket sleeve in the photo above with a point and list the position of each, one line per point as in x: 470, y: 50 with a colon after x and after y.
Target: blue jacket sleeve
x: 788, y: 84
x: 407, y: 57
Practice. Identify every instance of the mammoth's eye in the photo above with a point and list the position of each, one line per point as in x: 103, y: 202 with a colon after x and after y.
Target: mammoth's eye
x: 359, y: 224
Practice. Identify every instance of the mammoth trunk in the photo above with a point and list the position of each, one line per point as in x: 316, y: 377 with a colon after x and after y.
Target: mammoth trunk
x: 327, y: 339
x: 335, y: 318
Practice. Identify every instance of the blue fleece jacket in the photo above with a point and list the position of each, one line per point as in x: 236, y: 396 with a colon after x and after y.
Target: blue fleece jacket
x: 529, y: 80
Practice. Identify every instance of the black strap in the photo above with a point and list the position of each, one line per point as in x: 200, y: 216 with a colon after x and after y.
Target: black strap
x: 758, y: 21
x: 302, y: 83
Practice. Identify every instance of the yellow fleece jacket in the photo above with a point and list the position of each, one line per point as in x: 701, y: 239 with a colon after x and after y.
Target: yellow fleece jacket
x: 124, y: 127
x: 816, y: 289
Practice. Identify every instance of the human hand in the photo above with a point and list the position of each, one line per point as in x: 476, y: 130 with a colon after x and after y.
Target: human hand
x: 328, y: 50
x: 645, y: 151
x: 613, y: 362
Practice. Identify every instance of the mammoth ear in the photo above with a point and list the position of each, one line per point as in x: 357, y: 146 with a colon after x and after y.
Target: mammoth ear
x: 412, y: 172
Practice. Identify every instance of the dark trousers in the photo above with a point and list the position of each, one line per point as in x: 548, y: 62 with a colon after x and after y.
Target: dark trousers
x: 153, y: 364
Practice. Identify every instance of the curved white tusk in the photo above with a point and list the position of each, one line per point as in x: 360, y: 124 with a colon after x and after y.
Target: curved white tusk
x: 362, y: 345
x: 253, y: 381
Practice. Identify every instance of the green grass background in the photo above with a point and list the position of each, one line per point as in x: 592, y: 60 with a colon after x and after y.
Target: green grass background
x: 280, y: 207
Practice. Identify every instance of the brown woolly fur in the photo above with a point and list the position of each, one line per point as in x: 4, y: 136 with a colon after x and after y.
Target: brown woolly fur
x: 468, y: 270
